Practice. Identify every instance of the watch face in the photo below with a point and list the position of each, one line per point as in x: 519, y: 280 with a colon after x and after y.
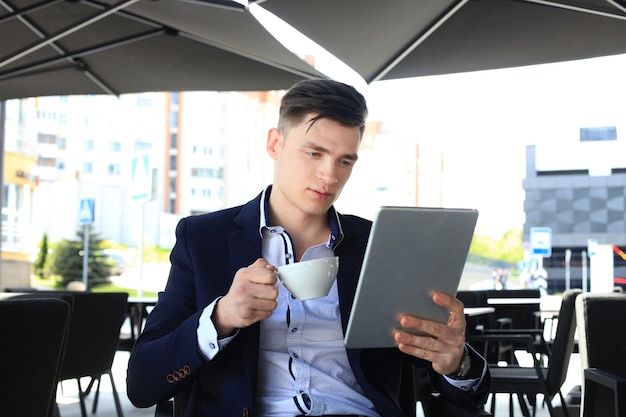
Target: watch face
x: 465, y: 366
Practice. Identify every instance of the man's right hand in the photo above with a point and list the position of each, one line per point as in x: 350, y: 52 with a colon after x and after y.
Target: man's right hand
x: 251, y: 298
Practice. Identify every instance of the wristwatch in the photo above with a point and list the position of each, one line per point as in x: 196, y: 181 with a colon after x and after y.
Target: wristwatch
x: 466, y: 363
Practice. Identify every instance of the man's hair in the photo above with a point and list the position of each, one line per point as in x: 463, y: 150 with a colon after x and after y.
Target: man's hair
x: 327, y: 99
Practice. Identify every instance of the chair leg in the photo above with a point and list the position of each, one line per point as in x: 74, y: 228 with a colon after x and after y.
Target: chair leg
x: 94, y: 406
x: 88, y: 389
x: 550, y: 408
x: 523, y: 405
x: 81, y: 397
x: 118, y: 405
x: 564, y: 405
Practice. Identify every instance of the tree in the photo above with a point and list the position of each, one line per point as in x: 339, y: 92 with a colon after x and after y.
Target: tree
x: 68, y: 260
x: 42, y: 257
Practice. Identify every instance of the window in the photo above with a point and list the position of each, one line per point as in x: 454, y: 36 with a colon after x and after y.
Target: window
x: 87, y: 168
x: 174, y: 119
x: 47, y: 139
x: 114, y: 169
x: 46, y: 162
x: 207, y: 172
x: 115, y: 147
x: 173, y: 140
x: 142, y: 146
x: 88, y: 145
x: 591, y: 134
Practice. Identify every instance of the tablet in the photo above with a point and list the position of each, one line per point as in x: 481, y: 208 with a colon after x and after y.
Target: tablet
x: 411, y: 252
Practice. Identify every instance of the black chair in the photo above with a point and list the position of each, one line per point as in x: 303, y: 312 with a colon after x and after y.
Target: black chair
x: 31, y: 351
x: 93, y: 341
x: 527, y: 382
x: 602, y: 343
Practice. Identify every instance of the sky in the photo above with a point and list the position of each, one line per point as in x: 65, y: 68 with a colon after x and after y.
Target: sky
x: 484, y: 120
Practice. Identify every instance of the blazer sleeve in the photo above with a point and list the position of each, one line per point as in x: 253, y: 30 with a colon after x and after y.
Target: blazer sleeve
x: 166, y: 355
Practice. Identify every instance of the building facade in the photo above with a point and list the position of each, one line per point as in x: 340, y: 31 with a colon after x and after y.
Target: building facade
x: 19, y: 183
x: 578, y: 190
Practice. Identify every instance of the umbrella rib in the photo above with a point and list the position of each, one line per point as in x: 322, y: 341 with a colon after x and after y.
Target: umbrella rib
x: 582, y: 9
x: 78, y: 26
x: 20, y: 14
x: 206, y: 41
x: 617, y: 5
x: 421, y: 38
x: 77, y: 54
x: 32, y: 26
x: 17, y: 13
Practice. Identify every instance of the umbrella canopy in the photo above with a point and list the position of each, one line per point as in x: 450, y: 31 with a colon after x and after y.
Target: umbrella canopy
x: 408, y: 38
x: 58, y: 47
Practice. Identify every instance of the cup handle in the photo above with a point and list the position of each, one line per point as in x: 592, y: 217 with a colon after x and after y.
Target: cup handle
x: 279, y: 282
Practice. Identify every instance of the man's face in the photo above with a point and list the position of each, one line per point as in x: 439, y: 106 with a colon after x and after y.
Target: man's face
x: 312, y: 165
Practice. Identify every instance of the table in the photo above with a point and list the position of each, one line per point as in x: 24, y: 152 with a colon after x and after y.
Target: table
x: 138, y: 312
x: 478, y: 311
x: 508, y: 301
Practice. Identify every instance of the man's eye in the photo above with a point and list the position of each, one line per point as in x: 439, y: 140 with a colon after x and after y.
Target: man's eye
x: 314, y: 154
x: 347, y: 163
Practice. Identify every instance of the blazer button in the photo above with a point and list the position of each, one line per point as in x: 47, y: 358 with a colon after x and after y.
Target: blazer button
x: 246, y: 412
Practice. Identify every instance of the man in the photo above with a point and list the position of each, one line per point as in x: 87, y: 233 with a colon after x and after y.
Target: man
x: 223, y: 330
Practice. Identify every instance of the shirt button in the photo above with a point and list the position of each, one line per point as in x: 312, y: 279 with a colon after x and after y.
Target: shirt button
x: 293, y: 297
x: 288, y: 256
x: 295, y: 329
x: 212, y: 345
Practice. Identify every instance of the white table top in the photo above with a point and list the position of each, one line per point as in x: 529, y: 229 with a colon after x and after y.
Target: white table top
x: 476, y: 311
x: 502, y: 301
x: 143, y: 300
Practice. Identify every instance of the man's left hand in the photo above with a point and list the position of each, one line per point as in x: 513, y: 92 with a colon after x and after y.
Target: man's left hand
x: 443, y: 343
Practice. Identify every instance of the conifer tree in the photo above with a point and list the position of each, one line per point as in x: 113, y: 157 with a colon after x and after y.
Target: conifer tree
x: 42, y: 257
x: 68, y: 260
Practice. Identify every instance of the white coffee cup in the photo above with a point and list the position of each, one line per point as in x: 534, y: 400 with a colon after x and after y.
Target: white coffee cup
x: 309, y: 279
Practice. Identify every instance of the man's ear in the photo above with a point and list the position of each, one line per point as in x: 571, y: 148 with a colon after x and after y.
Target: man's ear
x: 274, y: 142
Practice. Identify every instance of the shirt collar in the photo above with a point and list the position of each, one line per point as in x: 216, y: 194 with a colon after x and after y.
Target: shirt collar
x: 336, y: 232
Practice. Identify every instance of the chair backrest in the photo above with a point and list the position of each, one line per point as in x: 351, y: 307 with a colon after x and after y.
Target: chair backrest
x: 521, y: 293
x: 471, y: 298
x: 94, y: 330
x: 94, y: 333
x: 31, y: 349
x: 601, y: 321
x: 563, y: 344
x: 522, y: 315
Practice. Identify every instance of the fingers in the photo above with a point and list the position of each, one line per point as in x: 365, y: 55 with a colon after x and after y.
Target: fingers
x: 439, y: 343
x: 251, y: 298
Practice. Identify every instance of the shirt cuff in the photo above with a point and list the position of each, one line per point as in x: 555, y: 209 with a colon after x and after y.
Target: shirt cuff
x: 468, y: 384
x: 208, y: 342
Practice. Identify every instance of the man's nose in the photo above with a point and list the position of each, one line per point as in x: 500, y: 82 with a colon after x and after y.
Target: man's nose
x: 328, y: 172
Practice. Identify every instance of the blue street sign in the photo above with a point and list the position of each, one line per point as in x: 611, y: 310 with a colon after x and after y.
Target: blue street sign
x: 541, y: 241
x: 86, y: 211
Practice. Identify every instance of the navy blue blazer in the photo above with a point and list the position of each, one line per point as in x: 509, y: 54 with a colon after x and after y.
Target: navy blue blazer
x: 209, y: 250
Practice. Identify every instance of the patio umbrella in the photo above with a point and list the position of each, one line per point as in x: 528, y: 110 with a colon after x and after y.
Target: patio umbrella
x: 57, y: 47
x: 408, y: 38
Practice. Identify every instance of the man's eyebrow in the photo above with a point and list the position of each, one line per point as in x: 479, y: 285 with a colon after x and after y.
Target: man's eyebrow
x: 351, y: 156
x: 316, y: 147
